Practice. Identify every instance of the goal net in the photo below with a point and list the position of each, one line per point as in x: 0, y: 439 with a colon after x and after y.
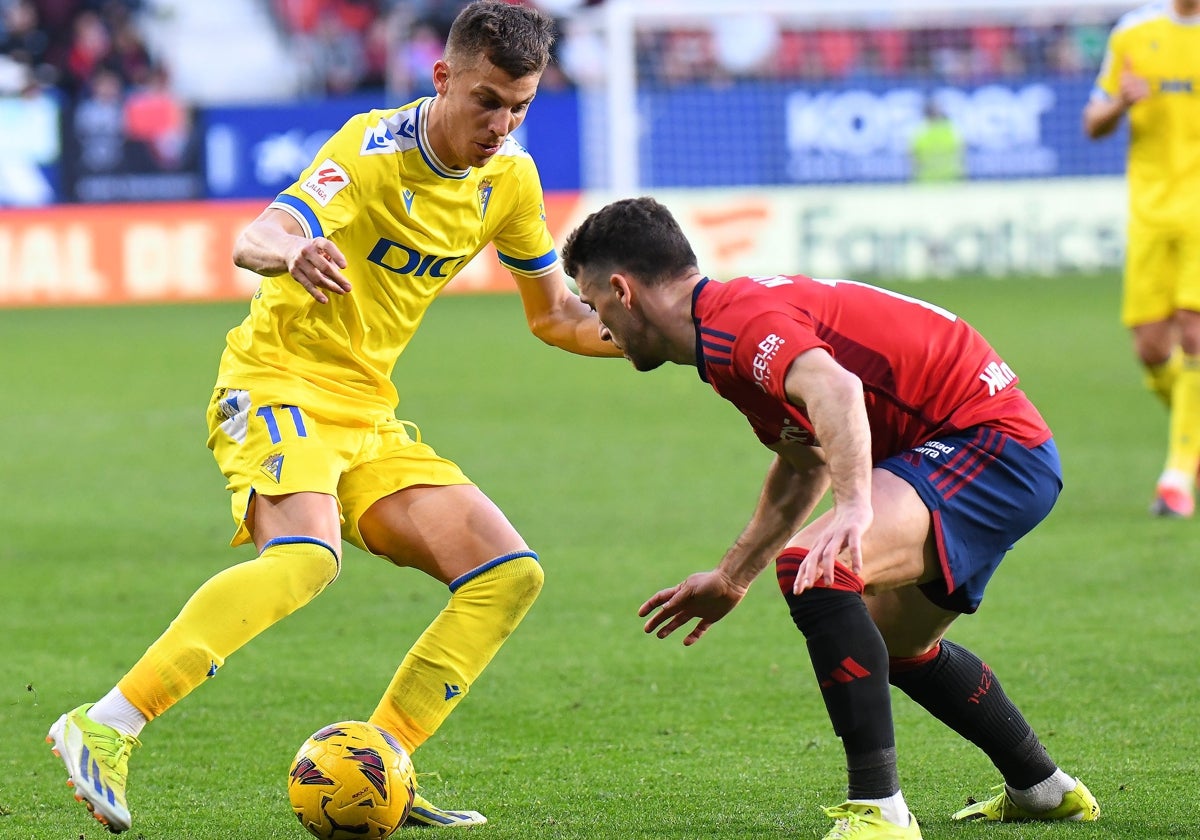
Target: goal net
x: 714, y: 93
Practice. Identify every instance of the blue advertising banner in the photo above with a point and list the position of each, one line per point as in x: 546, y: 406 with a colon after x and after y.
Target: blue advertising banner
x: 256, y: 151
x: 862, y: 130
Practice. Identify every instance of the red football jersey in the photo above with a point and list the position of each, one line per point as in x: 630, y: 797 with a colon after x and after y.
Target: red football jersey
x: 925, y: 372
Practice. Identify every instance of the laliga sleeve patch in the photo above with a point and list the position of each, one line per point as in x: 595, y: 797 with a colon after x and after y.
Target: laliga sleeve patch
x: 326, y: 181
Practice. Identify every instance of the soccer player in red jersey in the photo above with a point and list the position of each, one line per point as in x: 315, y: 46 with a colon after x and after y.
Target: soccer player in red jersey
x: 937, y: 463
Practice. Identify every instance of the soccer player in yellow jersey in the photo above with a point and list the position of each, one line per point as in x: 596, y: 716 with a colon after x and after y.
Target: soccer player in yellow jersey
x: 1151, y: 71
x: 302, y: 420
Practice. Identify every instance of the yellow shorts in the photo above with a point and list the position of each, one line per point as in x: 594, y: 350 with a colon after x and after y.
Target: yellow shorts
x: 279, y: 449
x: 1162, y: 274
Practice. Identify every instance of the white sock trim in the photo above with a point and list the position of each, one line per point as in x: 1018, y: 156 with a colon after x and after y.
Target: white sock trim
x: 115, y: 710
x: 893, y: 809
x: 1045, y: 795
x: 1176, y: 479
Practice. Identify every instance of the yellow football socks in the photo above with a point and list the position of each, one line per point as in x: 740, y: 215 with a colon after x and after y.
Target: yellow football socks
x: 230, y: 609
x: 487, y: 604
x: 1161, y: 378
x: 1183, y: 448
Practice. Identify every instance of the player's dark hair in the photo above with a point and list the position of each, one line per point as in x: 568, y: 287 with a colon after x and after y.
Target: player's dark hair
x: 634, y: 235
x: 516, y: 39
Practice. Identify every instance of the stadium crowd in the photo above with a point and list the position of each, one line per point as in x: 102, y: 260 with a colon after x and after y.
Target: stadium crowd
x: 362, y: 45
x: 70, y: 44
x: 351, y: 39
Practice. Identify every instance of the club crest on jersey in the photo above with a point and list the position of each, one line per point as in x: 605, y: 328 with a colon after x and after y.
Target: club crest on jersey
x: 485, y: 195
x: 326, y: 181
x: 273, y: 467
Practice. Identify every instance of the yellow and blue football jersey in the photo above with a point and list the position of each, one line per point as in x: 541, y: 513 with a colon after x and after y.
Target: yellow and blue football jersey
x: 1164, y: 148
x: 406, y: 223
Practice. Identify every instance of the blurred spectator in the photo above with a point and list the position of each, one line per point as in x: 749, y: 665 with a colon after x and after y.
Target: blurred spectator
x: 1090, y: 40
x: 687, y: 56
x: 99, y: 123
x: 156, y: 123
x: 937, y: 148
x: 377, y: 52
x: 336, y: 54
x: 23, y: 40
x: 91, y: 44
x: 129, y: 55
x: 990, y: 47
x: 889, y: 48
x: 414, y: 68
x: 1065, y: 58
x: 299, y: 16
x: 838, y: 51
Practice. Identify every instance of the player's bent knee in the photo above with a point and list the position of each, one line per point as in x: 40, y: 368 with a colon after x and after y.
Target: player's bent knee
x: 507, y: 585
x: 787, y: 566
x: 308, y: 564
x: 903, y: 668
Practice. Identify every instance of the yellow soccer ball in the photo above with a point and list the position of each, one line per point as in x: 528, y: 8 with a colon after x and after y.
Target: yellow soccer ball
x: 351, y: 781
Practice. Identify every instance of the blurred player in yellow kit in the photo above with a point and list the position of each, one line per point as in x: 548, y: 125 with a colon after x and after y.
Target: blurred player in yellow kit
x: 1151, y: 71
x: 303, y: 423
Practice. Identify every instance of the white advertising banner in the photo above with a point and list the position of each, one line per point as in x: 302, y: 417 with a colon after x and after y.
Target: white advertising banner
x: 906, y: 231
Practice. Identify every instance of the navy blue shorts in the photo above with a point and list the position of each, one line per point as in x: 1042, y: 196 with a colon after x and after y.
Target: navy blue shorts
x: 984, y: 492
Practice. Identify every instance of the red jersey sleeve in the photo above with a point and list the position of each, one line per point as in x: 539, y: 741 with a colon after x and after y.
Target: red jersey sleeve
x: 767, y: 345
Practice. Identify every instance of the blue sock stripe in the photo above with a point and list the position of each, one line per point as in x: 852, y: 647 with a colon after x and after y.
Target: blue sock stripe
x: 491, y: 564
x: 295, y: 540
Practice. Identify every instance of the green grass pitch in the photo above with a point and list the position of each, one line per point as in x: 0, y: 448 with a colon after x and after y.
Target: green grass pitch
x: 113, y: 512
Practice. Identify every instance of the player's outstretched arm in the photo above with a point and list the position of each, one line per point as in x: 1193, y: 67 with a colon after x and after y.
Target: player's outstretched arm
x: 275, y: 244
x: 789, y: 494
x: 792, y: 488
x: 557, y: 316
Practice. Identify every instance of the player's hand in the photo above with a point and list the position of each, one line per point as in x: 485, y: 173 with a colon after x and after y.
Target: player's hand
x: 708, y: 596
x: 843, y: 538
x: 316, y: 265
x: 1134, y: 88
